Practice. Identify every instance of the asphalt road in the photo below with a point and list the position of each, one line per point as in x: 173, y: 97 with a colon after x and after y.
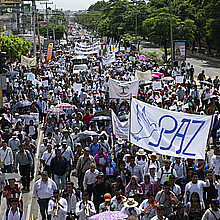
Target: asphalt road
x: 198, y: 63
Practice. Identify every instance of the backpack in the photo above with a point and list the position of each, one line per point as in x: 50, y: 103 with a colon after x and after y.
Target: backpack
x: 166, y: 173
x: 148, y: 164
x: 7, y: 212
x: 184, y: 165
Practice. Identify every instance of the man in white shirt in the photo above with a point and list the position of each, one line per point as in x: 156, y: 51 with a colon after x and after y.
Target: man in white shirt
x: 85, y: 208
x: 57, y: 207
x: 67, y: 152
x: 90, y: 179
x: 71, y: 199
x: 153, y: 160
x: 43, y: 191
x: 164, y: 172
x: 215, y: 160
x: 180, y: 169
x: 6, y: 157
x: 14, y: 144
x: 13, y: 213
x: 46, y: 158
x: 148, y: 203
x: 130, y: 208
x: 212, y: 213
x: 195, y: 186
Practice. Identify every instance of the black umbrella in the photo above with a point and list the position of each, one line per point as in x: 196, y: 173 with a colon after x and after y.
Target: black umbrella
x: 101, y: 118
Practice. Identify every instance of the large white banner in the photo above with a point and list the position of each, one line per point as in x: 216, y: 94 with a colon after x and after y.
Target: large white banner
x: 83, y: 49
x: 108, y: 60
x: 28, y: 61
x: 120, y: 129
x: 167, y: 132
x: 123, y: 89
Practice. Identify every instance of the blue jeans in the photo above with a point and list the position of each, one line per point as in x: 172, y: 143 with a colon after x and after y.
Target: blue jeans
x: 43, y: 203
x: 6, y: 169
x: 57, y: 180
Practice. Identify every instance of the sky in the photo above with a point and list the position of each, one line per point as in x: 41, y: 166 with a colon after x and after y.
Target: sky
x: 74, y: 5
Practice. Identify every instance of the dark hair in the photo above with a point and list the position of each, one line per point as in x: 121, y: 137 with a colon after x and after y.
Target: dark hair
x: 172, y: 177
x: 85, y: 194
x: 149, y: 193
x: 167, y: 183
x: 195, y: 194
x: 57, y: 150
x: 132, y: 157
x: 70, y: 183
x: 13, y: 200
x: 122, y: 162
x: 56, y: 191
x: 180, y: 206
x: 195, y: 173
x: 161, y: 208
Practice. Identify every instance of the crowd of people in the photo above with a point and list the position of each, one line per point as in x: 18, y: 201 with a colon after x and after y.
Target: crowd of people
x: 84, y: 169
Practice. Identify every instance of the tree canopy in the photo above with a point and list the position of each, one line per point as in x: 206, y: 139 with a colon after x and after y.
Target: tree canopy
x: 14, y: 46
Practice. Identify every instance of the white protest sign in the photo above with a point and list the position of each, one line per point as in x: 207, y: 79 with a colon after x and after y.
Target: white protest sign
x: 77, y: 87
x: 179, y: 79
x: 45, y: 83
x: 157, y: 85
x: 167, y: 132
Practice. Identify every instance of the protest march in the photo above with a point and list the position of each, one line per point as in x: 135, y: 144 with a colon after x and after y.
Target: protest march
x: 93, y: 133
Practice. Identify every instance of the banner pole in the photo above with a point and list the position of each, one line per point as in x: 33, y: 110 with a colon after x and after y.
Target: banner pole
x: 129, y: 135
x: 210, y: 130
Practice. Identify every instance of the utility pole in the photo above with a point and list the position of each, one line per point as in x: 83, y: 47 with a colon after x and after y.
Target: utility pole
x: 23, y: 24
x: 34, y: 25
x: 38, y: 31
x: 46, y: 3
x: 171, y: 33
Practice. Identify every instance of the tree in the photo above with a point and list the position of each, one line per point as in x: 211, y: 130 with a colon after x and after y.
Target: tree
x: 158, y: 28
x: 14, y: 46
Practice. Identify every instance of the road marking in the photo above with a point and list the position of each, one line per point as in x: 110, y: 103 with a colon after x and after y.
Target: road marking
x: 35, y: 175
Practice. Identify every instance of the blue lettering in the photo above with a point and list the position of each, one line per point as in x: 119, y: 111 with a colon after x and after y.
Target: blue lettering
x: 178, y: 134
x: 193, y: 137
x: 163, y: 130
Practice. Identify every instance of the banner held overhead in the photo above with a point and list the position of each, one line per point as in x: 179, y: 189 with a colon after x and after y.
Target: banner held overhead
x: 169, y: 133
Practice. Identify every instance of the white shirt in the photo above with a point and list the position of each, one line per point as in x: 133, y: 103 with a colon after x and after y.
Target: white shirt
x: 61, y: 212
x: 90, y: 178
x: 209, y: 216
x: 81, y: 212
x: 216, y: 164
x: 136, y: 211
x: 152, y: 213
x: 9, y: 158
x: 16, y: 216
x: 119, y: 205
x: 156, y: 218
x: 68, y: 154
x: 150, y: 162
x: 44, y: 191
x: 165, y: 175
x: 198, y: 187
x: 71, y: 203
x: 46, y: 156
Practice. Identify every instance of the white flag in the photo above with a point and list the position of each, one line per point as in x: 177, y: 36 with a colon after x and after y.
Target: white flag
x: 120, y: 129
x: 170, y: 133
x: 123, y: 89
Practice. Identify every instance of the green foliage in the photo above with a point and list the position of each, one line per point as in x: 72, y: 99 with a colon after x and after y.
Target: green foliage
x: 14, y: 46
x: 59, y: 31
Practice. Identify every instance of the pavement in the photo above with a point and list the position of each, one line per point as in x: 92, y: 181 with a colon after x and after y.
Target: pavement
x: 199, y: 61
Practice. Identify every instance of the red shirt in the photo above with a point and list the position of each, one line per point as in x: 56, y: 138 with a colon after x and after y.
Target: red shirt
x: 12, y: 193
x: 87, y: 119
